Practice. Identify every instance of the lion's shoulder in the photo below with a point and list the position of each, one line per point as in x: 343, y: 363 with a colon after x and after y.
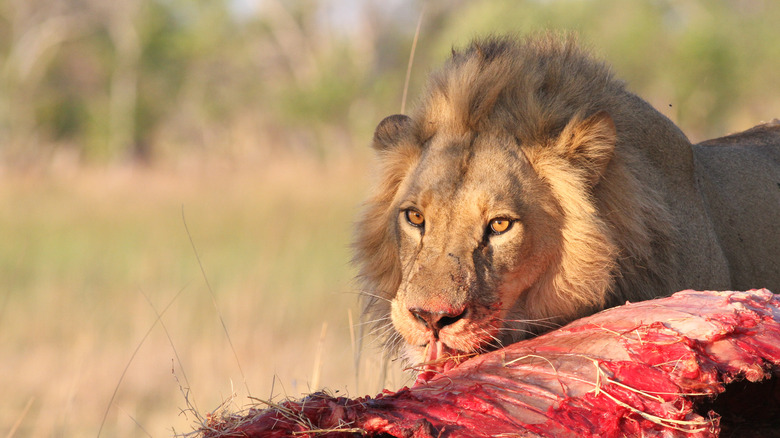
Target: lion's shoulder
x: 765, y: 134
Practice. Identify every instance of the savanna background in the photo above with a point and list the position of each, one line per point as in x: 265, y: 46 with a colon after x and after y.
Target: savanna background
x: 179, y: 180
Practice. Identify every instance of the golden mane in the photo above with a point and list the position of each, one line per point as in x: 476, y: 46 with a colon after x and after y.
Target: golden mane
x: 535, y: 87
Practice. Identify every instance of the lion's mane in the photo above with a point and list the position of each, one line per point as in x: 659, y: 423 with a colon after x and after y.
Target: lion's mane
x: 617, y: 233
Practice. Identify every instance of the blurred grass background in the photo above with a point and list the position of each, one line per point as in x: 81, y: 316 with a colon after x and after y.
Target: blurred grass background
x: 250, y: 119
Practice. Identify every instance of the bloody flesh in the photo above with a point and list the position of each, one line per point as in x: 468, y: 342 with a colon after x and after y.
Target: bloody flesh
x: 647, y: 369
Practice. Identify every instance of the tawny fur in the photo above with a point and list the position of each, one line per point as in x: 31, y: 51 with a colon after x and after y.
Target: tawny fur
x: 632, y: 224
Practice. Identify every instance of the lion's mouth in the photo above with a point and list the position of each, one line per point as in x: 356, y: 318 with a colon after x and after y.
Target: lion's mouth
x: 439, y: 358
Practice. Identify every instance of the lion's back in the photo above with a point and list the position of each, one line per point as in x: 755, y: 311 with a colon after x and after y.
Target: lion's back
x: 739, y: 178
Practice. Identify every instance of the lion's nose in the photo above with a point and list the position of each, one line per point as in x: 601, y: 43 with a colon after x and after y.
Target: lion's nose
x: 436, y: 320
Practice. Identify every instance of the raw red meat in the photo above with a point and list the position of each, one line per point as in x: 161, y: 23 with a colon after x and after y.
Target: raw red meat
x: 648, y: 369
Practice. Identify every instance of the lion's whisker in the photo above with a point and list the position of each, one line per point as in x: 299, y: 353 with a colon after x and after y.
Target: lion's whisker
x: 534, y: 322
x: 374, y: 295
x: 548, y: 318
x: 381, y: 331
x: 495, y: 342
x: 373, y: 321
x: 518, y: 330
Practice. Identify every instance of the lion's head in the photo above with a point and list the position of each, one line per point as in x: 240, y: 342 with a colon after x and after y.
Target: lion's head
x: 504, y: 206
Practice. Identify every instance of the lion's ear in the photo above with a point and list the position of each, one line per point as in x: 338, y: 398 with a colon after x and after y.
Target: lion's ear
x: 391, y: 130
x: 589, y: 144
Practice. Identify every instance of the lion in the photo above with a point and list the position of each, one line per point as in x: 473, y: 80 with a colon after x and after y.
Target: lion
x: 529, y: 188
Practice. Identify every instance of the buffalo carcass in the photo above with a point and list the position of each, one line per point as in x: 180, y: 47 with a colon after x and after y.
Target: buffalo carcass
x: 679, y: 366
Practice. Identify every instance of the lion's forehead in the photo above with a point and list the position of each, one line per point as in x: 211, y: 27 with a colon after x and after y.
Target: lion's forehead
x: 487, y: 173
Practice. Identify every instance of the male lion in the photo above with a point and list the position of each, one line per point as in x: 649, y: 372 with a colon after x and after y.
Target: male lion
x: 529, y: 188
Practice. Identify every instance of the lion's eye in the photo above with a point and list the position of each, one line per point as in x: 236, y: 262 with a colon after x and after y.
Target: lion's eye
x: 414, y: 217
x: 500, y: 225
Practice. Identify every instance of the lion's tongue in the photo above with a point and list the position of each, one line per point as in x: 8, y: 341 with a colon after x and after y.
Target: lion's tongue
x: 436, y: 362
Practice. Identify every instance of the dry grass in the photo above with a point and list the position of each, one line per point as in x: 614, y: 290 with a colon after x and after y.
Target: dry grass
x: 98, y: 276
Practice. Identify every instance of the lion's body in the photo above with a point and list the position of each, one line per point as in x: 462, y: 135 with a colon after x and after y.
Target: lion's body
x: 597, y: 197
x: 739, y: 180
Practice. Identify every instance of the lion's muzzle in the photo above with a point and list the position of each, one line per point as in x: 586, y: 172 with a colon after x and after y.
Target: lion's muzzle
x: 436, y: 320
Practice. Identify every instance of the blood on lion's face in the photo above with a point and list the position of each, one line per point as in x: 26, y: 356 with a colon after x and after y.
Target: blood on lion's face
x: 475, y: 232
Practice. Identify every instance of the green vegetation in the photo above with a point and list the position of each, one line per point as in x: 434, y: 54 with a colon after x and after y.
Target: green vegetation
x: 153, y: 79
x: 253, y: 118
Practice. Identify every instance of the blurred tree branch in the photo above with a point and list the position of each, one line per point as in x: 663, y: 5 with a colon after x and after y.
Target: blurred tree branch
x: 37, y: 28
x: 123, y: 89
x: 291, y: 39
